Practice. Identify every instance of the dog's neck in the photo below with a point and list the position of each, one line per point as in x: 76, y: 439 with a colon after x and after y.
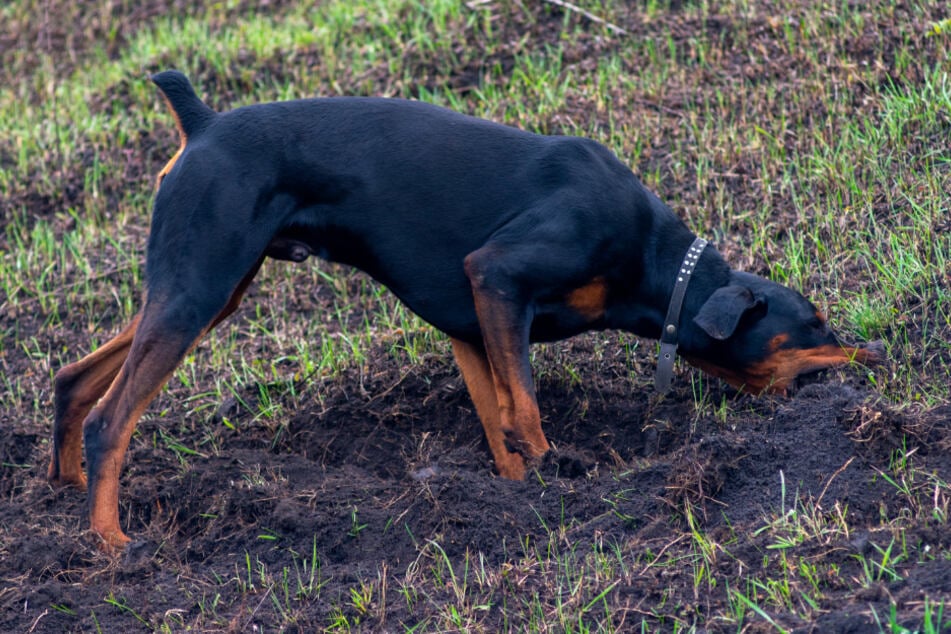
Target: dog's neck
x: 661, y: 261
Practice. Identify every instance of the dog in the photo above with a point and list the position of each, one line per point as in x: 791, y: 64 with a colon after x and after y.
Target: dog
x: 496, y: 236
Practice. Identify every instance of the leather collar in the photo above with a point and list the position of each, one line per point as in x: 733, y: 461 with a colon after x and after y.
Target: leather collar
x: 671, y: 328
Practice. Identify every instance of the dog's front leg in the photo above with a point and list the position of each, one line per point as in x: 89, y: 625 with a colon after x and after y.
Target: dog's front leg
x: 475, y: 368
x: 515, y: 433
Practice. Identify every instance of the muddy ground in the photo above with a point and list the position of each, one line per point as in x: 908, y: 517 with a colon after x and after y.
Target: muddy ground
x: 394, y: 457
x: 389, y: 456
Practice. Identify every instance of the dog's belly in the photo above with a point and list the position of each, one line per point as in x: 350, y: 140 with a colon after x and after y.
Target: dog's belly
x: 440, y: 296
x: 553, y: 322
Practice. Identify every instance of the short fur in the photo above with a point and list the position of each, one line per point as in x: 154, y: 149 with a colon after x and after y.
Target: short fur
x: 496, y: 236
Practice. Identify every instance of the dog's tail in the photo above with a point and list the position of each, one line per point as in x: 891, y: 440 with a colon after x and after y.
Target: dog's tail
x: 191, y: 114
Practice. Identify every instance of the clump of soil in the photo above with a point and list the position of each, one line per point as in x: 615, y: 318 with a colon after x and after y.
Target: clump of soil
x: 392, y: 457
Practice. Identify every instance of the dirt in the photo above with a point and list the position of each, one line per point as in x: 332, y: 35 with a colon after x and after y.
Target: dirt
x: 371, y: 467
x: 395, y: 457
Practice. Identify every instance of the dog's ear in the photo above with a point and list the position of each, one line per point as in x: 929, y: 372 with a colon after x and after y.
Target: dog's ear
x: 721, y: 313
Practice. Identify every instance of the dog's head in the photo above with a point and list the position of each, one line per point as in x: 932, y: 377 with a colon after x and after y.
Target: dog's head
x: 760, y: 336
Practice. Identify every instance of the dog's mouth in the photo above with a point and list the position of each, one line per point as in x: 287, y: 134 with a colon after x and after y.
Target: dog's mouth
x: 812, y: 377
x: 791, y: 369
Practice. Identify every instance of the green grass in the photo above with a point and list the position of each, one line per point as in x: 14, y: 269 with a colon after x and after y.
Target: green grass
x: 867, y: 201
x: 852, y: 210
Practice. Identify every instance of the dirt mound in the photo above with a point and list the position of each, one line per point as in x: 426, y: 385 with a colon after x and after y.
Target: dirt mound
x: 392, y: 461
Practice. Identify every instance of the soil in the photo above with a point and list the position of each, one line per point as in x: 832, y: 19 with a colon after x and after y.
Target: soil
x: 394, y: 457
x: 371, y: 466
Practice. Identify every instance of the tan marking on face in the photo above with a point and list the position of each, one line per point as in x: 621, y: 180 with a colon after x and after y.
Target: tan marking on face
x: 775, y: 372
x: 776, y: 342
x: 589, y: 300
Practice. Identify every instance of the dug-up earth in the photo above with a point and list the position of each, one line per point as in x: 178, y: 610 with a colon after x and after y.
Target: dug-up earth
x: 393, y: 459
x: 383, y: 471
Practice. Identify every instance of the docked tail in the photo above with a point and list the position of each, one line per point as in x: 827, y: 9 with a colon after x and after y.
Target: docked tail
x: 191, y: 114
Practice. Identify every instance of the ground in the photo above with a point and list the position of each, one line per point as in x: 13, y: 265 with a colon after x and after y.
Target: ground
x: 364, y: 498
x: 393, y: 460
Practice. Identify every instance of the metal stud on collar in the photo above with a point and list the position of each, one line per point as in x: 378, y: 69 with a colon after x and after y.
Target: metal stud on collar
x: 668, y: 338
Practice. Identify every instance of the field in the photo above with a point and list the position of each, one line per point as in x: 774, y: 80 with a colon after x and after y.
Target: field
x: 316, y: 464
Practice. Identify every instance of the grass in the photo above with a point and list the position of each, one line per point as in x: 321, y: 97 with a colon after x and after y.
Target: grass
x: 878, y: 190
x: 852, y: 210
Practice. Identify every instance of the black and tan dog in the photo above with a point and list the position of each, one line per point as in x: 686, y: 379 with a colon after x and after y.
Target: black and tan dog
x: 496, y: 236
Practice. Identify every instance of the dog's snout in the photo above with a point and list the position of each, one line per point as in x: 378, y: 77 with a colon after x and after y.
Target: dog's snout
x: 873, y: 351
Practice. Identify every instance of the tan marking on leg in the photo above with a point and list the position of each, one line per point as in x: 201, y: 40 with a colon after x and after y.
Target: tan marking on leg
x: 168, y: 166
x: 477, y: 374
x: 512, y: 376
x: 146, y: 370
x: 77, y: 387
x: 152, y: 359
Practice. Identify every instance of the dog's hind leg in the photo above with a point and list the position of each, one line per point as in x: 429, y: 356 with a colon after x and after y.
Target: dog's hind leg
x: 76, y: 388
x: 167, y: 329
x: 474, y: 365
